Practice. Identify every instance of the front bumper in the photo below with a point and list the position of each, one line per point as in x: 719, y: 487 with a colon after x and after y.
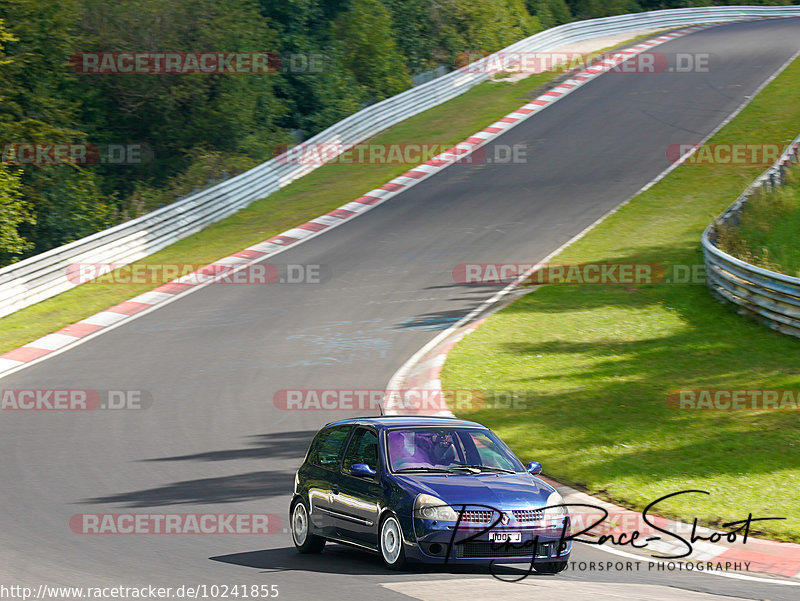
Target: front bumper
x: 440, y: 542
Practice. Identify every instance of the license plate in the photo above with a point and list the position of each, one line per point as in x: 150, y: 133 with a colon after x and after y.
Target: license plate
x: 505, y: 537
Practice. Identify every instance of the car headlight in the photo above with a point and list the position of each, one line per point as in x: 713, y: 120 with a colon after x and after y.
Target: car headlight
x: 556, y: 510
x: 428, y: 507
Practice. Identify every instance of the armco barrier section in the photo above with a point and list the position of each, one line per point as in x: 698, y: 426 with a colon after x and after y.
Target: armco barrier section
x: 45, y: 275
x: 771, y: 297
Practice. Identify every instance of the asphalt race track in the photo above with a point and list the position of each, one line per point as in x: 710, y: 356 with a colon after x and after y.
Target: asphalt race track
x: 213, y: 441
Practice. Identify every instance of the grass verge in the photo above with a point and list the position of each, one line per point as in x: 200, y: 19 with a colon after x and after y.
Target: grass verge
x: 766, y: 234
x: 596, y: 363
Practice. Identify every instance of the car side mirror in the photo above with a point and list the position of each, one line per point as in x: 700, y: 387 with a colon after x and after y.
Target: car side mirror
x: 534, y: 468
x: 362, y: 470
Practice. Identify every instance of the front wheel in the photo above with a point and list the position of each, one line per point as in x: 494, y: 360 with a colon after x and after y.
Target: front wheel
x: 304, y: 541
x: 391, y: 544
x: 550, y: 567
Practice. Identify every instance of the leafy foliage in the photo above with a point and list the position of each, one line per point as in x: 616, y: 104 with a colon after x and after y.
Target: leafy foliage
x: 13, y: 211
x: 369, y: 50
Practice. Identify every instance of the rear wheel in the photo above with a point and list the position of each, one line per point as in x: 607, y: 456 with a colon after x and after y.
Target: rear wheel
x: 391, y: 544
x: 550, y: 567
x: 304, y: 541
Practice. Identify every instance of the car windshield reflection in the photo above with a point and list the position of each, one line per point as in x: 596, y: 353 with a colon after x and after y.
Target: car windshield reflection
x: 449, y: 450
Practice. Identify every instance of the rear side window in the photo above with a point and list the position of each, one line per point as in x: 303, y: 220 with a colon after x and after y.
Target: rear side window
x: 327, y: 447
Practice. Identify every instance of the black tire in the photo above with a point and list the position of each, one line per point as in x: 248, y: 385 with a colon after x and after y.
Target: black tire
x: 390, y: 543
x: 550, y: 567
x: 304, y: 541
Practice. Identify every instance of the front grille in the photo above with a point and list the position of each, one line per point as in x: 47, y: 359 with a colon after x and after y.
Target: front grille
x: 527, y: 516
x: 487, y: 516
x: 478, y: 516
x: 475, y: 549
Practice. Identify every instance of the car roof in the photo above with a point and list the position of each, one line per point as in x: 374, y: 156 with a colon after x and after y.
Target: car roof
x: 407, y: 421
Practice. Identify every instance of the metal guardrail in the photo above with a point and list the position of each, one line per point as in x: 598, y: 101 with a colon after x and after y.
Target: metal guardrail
x: 769, y: 296
x: 45, y: 275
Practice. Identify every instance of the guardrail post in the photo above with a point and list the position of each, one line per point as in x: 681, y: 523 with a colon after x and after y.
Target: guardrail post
x: 793, y: 153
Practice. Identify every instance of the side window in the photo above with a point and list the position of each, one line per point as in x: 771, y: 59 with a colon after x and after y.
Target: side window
x: 363, y: 448
x: 327, y: 447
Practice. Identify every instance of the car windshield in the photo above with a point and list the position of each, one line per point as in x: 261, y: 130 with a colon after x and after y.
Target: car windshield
x: 449, y: 450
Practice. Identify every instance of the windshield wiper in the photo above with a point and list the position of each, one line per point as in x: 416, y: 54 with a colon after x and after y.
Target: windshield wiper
x: 488, y: 467
x: 440, y: 470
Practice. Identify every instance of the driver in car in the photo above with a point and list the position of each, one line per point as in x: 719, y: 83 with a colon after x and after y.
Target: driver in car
x: 443, y: 451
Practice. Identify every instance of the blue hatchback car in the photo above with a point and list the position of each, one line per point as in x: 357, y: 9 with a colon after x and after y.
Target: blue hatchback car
x: 426, y: 489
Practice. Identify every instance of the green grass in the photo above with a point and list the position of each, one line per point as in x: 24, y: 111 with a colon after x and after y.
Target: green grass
x: 321, y: 191
x: 597, y: 362
x: 766, y: 234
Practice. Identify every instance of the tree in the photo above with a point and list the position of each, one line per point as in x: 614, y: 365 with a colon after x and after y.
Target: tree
x: 13, y: 211
x: 58, y: 203
x: 550, y: 12
x: 414, y: 32
x: 592, y: 9
x: 173, y: 113
x: 313, y: 81
x: 481, y: 26
x: 369, y: 50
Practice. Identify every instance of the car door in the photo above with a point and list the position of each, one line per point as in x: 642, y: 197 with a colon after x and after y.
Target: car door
x: 322, y: 474
x: 356, y: 505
